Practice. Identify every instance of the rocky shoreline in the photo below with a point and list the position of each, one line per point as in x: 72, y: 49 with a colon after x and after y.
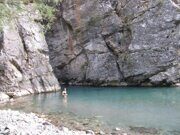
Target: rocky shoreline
x: 20, y: 123
x: 26, y: 123
x: 64, y: 123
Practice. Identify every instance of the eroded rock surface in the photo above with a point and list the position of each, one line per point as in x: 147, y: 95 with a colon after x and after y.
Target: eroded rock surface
x: 111, y: 42
x: 24, y: 59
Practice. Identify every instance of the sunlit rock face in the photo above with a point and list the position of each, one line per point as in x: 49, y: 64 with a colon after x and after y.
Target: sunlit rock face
x: 24, y: 60
x: 116, y: 42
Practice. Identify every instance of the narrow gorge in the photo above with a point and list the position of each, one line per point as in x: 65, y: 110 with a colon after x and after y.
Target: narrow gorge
x: 92, y: 42
x: 66, y: 46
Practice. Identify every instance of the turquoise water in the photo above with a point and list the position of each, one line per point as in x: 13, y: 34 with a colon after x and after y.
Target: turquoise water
x: 114, y: 106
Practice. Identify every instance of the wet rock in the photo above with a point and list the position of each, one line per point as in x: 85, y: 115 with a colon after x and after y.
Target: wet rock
x: 86, y: 123
x: 144, y: 130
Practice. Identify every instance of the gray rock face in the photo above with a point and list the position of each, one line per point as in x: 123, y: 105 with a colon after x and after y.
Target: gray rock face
x: 24, y: 60
x: 116, y: 42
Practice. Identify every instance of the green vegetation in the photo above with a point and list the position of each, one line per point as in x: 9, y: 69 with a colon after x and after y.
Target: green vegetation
x: 8, y: 10
x: 11, y: 8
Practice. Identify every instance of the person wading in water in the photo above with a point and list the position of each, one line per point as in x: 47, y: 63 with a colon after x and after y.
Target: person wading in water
x: 64, y: 93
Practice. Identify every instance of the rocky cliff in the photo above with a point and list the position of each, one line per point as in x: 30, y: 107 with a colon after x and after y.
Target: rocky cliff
x: 92, y: 42
x: 116, y: 42
x: 24, y: 59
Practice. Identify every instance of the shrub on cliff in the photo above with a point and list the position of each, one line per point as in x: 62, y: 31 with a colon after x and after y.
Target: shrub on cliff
x: 11, y: 8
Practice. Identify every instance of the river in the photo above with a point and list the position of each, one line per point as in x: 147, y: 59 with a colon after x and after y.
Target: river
x: 123, y: 107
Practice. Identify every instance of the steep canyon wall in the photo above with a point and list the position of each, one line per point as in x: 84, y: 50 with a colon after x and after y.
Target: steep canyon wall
x: 24, y: 58
x: 116, y: 42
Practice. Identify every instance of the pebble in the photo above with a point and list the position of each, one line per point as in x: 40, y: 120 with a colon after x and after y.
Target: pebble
x: 101, y: 133
x: 11, y: 100
x: 90, y: 132
x: 117, y: 129
x: 65, y: 129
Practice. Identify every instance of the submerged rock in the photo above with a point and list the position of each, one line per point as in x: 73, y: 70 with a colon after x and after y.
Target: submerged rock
x: 143, y: 130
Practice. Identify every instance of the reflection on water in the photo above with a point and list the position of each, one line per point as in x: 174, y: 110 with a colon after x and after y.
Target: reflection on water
x: 114, y: 106
x: 65, y: 99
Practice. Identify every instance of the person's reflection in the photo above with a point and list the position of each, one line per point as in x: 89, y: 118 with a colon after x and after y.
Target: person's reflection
x: 65, y: 101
